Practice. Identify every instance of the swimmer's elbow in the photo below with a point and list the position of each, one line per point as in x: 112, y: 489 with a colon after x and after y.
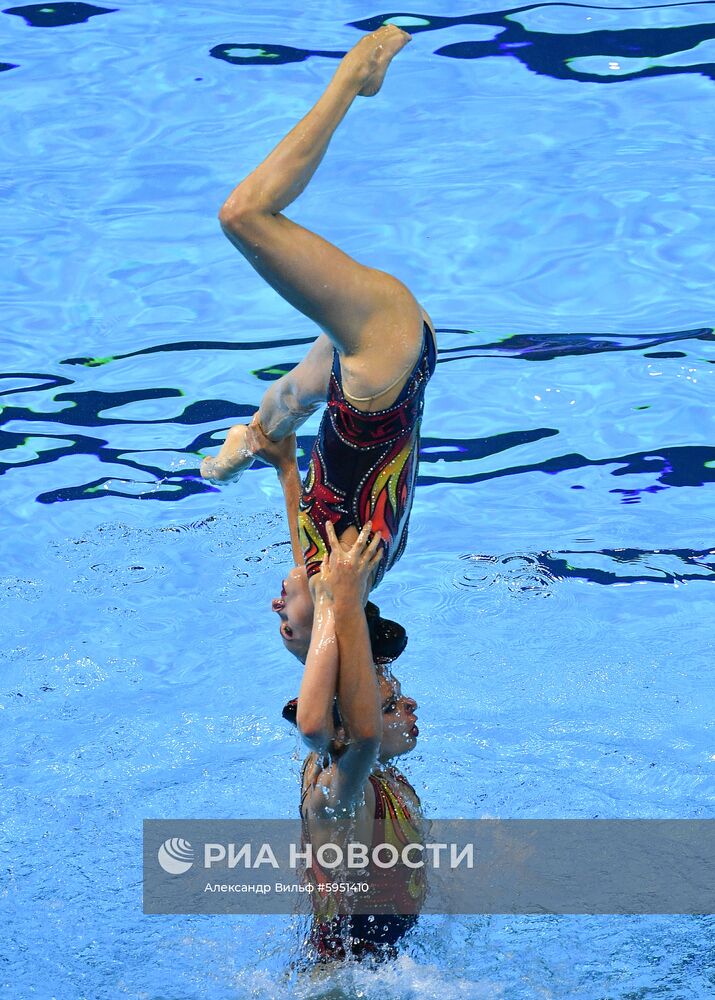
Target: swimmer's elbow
x: 318, y: 740
x: 314, y: 730
x: 366, y: 748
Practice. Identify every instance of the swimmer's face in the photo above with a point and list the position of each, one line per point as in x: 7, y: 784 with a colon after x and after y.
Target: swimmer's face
x: 399, y: 730
x: 295, y: 609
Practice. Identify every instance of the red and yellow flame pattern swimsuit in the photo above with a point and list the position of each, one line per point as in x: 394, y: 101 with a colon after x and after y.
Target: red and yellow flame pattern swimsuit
x: 395, y: 896
x: 363, y: 466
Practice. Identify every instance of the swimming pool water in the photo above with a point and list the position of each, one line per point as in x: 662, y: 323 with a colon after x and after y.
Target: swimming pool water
x: 542, y: 180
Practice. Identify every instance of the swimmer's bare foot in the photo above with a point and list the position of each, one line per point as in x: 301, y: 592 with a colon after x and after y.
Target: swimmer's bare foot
x: 370, y: 57
x: 234, y: 457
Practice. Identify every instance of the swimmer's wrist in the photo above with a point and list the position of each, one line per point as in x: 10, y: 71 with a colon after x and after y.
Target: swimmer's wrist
x: 346, y: 603
x: 323, y: 603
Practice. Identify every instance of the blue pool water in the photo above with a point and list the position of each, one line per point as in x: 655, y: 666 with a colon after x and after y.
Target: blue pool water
x: 543, y: 181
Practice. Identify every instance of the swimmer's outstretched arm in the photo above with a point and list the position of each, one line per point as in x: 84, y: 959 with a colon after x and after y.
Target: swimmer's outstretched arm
x: 320, y: 677
x: 286, y: 404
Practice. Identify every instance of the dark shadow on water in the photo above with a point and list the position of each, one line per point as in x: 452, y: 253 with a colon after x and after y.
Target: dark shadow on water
x: 57, y: 15
x: 523, y: 347
x: 550, y: 53
x: 547, y: 53
x: 617, y: 566
x: 190, y: 345
x: 672, y: 466
x: 546, y: 347
x: 87, y: 409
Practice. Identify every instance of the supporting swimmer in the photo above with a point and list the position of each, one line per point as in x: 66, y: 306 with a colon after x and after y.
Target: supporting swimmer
x: 357, y: 720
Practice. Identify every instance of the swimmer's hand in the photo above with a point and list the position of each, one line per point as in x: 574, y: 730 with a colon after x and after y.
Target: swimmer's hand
x: 346, y: 574
x: 234, y: 457
x: 280, y: 454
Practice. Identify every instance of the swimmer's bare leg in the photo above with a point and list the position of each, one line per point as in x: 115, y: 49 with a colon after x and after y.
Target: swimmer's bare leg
x: 320, y: 280
x: 340, y: 295
x: 286, y: 404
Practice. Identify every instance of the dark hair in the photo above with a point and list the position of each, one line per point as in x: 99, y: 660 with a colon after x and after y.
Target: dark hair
x: 290, y: 712
x: 387, y: 638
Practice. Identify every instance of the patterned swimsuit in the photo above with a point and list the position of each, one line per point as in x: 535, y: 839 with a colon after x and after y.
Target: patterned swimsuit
x: 395, y: 897
x: 363, y: 466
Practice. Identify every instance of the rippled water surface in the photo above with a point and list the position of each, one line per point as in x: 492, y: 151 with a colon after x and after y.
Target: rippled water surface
x: 541, y: 178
